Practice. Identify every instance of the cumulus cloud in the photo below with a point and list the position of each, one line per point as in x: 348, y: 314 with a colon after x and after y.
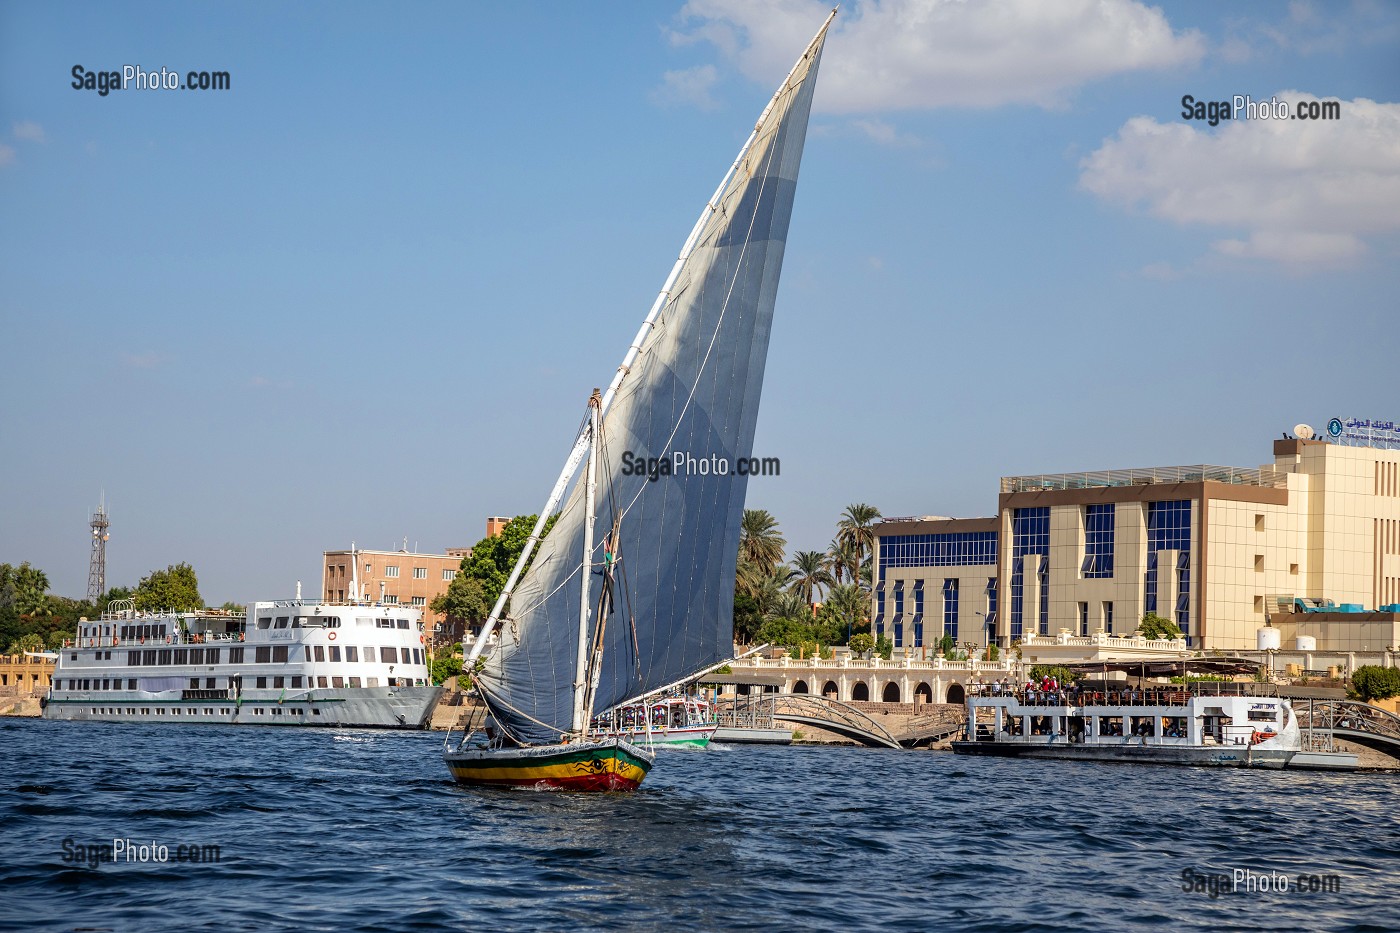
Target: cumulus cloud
x: 688, y: 86
x: 29, y: 130
x: 915, y: 54
x: 1295, y: 191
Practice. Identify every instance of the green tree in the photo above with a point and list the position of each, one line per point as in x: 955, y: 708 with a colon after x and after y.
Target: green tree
x: 176, y: 588
x: 1371, y: 682
x: 946, y: 646
x: 810, y: 574
x: 234, y: 608
x: 761, y: 543
x: 1062, y: 675
x: 842, y: 562
x: 28, y: 642
x: 856, y: 532
x: 862, y: 643
x: 1155, y: 626
x: 445, y: 667
x: 747, y: 618
x: 850, y: 605
x: 884, y: 647
x: 465, y: 601
x: 493, y: 558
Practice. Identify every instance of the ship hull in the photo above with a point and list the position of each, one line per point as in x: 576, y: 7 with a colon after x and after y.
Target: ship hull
x: 1220, y: 757
x: 692, y: 737
x: 608, y: 765
x: 349, y: 707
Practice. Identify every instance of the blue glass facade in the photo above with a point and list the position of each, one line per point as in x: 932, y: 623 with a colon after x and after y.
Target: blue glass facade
x: 956, y: 549
x: 1099, y: 526
x: 898, y: 613
x: 918, y: 613
x: 1169, y: 529
x: 950, y: 608
x: 1030, y: 537
x: 991, y: 620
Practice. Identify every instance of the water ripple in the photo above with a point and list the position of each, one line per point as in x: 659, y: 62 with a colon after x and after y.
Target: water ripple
x: 323, y: 830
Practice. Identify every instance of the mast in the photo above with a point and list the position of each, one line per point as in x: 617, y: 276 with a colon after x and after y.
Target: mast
x: 634, y: 350
x: 581, y: 669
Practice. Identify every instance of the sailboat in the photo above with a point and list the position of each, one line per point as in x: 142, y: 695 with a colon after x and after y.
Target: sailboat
x: 633, y: 587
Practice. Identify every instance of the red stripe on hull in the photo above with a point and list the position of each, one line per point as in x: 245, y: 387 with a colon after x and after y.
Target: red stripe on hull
x: 583, y: 782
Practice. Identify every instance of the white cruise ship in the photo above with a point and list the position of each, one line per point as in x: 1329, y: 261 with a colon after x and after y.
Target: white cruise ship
x: 285, y: 663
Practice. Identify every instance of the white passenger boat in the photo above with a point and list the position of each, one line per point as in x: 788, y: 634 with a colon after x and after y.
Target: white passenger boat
x: 1206, y: 723
x: 668, y: 722
x: 287, y: 663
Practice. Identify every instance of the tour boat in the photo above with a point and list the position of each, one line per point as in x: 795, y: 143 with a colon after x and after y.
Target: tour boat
x: 599, y: 620
x: 668, y: 722
x: 283, y: 663
x: 1204, y: 723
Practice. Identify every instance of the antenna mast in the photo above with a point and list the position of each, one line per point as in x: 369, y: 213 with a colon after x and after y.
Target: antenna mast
x: 97, y: 564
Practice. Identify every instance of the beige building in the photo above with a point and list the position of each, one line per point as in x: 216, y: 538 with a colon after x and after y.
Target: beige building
x: 22, y: 675
x: 1222, y: 551
x: 395, y: 577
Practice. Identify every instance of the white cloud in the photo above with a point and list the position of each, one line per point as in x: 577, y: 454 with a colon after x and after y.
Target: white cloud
x: 885, y: 133
x: 29, y: 130
x: 914, y: 54
x: 689, y: 86
x: 1301, y: 191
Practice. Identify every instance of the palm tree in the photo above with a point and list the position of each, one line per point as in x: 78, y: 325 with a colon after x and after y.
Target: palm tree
x: 850, y: 604
x: 769, y: 591
x: 809, y: 569
x: 842, y: 561
x: 760, y: 541
x: 856, y: 530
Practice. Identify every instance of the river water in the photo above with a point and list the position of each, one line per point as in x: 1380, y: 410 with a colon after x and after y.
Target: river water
x: 351, y: 830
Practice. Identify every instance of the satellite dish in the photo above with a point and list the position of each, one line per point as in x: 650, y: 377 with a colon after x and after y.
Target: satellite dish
x: 1304, y: 431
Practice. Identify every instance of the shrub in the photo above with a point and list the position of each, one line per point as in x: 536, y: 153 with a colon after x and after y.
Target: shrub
x: 1376, y: 683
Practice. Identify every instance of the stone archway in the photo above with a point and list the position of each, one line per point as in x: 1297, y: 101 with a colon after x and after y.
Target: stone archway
x: 891, y: 694
x: 923, y: 693
x: 830, y: 689
x: 800, y: 687
x: 956, y: 693
x: 860, y: 692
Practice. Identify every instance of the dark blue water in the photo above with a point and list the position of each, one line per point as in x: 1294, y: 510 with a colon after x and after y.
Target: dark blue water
x: 324, y: 830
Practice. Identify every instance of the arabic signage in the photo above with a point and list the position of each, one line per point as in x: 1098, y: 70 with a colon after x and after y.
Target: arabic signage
x: 1364, y: 432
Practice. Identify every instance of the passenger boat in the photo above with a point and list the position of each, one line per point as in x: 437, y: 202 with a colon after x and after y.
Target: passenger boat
x: 283, y: 663
x: 598, y: 620
x: 668, y: 722
x: 1220, y: 724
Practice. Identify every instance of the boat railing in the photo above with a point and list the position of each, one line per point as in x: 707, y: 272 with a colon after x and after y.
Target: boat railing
x: 1164, y: 695
x: 175, y: 640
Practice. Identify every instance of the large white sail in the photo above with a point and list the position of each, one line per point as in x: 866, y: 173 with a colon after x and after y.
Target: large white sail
x: 693, y: 389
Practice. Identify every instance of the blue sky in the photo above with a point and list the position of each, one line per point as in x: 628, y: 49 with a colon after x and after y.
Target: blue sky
x: 363, y: 294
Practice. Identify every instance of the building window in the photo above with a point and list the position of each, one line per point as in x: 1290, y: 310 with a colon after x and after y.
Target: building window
x: 420, y: 600
x: 898, y: 613
x: 1099, y: 521
x: 1030, y: 537
x: 880, y: 608
x: 1108, y: 618
x: 1169, y: 529
x: 918, y: 613
x: 954, y: 549
x: 991, y: 621
x: 391, y: 600
x: 1084, y: 619
x: 950, y: 609
x: 420, y: 573
x: 449, y: 574
x: 391, y: 571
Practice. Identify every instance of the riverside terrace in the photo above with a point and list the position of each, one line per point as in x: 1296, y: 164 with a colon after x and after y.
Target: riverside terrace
x: 919, y: 680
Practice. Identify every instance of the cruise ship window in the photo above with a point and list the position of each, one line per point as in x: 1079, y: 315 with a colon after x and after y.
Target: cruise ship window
x: 279, y: 681
x: 320, y: 681
x: 131, y: 684
x: 279, y: 654
x: 333, y: 622
x: 264, y: 623
x: 388, y: 655
x: 209, y: 683
x: 296, y: 681
x: 182, y: 656
x: 335, y: 652
x: 211, y: 655
x: 133, y: 658
x: 354, y: 681
x: 352, y: 653
x: 235, y: 655
x: 281, y: 622
x: 262, y: 682
x: 262, y: 654
x: 371, y: 681
x: 320, y: 653
x: 337, y: 681
x: 164, y: 657
x: 403, y: 624
x: 194, y: 683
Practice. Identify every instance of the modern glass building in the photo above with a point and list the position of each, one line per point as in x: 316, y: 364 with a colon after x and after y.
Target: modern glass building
x: 1218, y: 550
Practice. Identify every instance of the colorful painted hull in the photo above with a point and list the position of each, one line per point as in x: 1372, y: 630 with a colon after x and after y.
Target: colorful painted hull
x: 697, y: 737
x: 607, y: 765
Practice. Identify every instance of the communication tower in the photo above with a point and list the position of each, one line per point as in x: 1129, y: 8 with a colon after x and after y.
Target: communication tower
x: 97, y: 566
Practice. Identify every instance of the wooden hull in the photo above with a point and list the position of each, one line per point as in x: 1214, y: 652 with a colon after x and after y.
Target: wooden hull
x: 609, y: 765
